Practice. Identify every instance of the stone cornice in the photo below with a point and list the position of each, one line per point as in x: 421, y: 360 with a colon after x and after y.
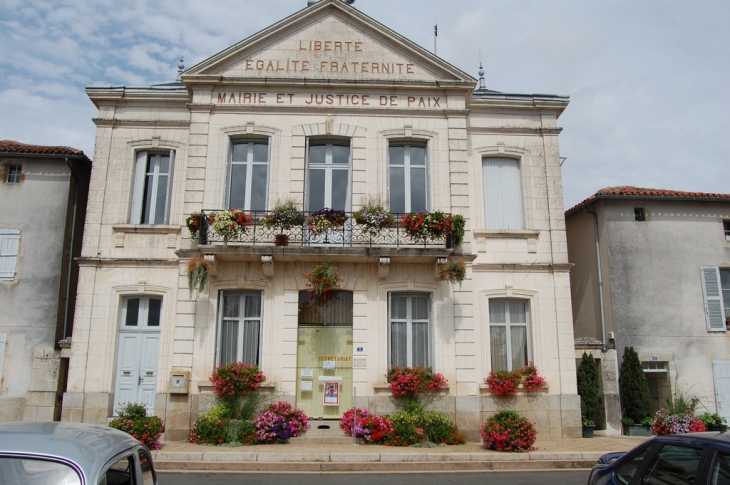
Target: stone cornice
x: 125, y: 262
x: 523, y: 267
x: 511, y: 130
x: 103, y: 122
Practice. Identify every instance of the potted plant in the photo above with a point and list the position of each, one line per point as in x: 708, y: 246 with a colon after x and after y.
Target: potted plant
x: 714, y: 422
x: 325, y: 219
x: 229, y: 224
x: 589, y: 391
x: 198, y: 269
x: 374, y: 216
x: 634, y: 392
x: 453, y: 271
x: 285, y: 216
x: 193, y: 223
x: 321, y: 281
x: 426, y: 225
x: 457, y: 229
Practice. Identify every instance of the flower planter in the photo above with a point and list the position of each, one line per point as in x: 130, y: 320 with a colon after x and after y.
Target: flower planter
x: 637, y: 430
x: 588, y: 431
x: 281, y: 240
x: 717, y: 427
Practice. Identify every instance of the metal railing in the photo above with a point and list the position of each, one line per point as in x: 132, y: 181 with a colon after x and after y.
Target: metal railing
x: 351, y: 234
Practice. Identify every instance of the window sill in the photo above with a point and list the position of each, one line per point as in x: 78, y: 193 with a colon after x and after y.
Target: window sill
x: 146, y: 228
x: 503, y: 234
x: 385, y: 389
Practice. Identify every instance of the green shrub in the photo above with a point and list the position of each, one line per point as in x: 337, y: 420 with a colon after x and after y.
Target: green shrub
x: 634, y: 389
x: 508, y: 431
x: 134, y: 421
x: 588, y: 387
x: 411, y: 428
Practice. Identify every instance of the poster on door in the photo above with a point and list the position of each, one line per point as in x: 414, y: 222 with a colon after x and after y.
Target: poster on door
x: 331, y: 393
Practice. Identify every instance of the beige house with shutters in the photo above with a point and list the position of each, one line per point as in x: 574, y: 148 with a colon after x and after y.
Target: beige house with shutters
x: 327, y: 108
x: 662, y: 260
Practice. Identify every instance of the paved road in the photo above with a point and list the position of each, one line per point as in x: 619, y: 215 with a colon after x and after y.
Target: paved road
x: 505, y: 478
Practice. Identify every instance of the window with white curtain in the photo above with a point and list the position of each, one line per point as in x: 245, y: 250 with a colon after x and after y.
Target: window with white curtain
x: 407, y: 176
x: 502, y: 193
x: 410, y: 322
x: 248, y: 170
x: 152, y: 187
x: 508, y: 334
x: 328, y: 175
x: 239, y: 332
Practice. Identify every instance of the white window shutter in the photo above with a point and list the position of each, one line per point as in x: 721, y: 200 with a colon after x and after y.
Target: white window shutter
x: 502, y: 193
x: 721, y: 371
x: 140, y: 168
x: 9, y: 246
x: 714, y: 310
x: 3, y: 339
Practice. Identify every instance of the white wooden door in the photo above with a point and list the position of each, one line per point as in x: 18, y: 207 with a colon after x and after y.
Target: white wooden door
x: 137, y: 369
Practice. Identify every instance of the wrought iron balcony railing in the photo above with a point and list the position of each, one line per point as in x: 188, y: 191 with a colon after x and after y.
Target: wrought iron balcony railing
x: 351, y: 234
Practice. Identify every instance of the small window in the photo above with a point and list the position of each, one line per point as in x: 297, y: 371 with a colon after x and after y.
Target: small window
x: 726, y: 229
x: 119, y: 473
x: 141, y: 311
x: 639, y: 214
x: 12, y: 174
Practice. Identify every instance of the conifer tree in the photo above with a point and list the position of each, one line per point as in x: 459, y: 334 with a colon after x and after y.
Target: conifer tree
x: 634, y: 390
x: 588, y: 387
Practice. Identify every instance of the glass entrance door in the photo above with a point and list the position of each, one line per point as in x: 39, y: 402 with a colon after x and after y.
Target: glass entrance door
x: 324, y: 356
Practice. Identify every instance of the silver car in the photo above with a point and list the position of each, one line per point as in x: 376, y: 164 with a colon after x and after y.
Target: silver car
x: 72, y: 454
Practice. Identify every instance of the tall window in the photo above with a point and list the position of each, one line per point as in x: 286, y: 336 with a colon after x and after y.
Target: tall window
x: 152, y: 182
x: 408, y: 181
x: 716, y: 290
x: 328, y: 175
x: 240, y: 327
x: 12, y: 174
x: 9, y: 244
x: 248, y: 175
x: 508, y: 334
x: 409, y: 329
x: 141, y: 311
x: 502, y: 193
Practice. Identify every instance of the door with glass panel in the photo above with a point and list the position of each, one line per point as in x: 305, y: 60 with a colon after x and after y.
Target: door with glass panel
x: 324, y: 356
x: 508, y: 335
x: 240, y: 327
x: 328, y: 187
x: 410, y: 317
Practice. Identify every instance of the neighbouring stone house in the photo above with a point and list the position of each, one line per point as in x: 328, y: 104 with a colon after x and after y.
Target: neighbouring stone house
x: 43, y: 191
x: 662, y: 261
x: 328, y: 108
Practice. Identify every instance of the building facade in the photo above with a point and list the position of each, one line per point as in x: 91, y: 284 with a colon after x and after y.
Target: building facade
x: 44, y: 191
x: 328, y: 109
x: 664, y: 261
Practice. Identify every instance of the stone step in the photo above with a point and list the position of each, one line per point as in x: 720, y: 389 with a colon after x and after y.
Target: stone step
x: 318, y: 434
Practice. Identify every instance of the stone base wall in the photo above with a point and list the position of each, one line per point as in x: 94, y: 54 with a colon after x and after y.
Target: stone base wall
x: 11, y: 409
x: 90, y: 407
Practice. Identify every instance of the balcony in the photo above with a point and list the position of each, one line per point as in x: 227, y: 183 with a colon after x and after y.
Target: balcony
x: 340, y: 241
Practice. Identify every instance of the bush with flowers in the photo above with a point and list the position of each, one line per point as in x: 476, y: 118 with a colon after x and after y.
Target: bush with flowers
x: 134, y: 421
x: 373, y: 429
x: 374, y: 216
x: 675, y: 423
x: 279, y: 422
x: 425, y: 225
x: 322, y: 281
x: 235, y: 379
x: 410, y: 382
x: 325, y: 219
x: 229, y: 224
x: 508, y: 431
x: 505, y: 383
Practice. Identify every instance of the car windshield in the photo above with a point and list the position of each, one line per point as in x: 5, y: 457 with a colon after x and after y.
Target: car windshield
x: 31, y: 471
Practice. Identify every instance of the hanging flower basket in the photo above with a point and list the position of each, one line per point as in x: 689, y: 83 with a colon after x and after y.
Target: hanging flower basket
x: 321, y: 281
x: 229, y: 224
x: 193, y: 223
x: 326, y: 219
x: 453, y: 271
x: 198, y: 270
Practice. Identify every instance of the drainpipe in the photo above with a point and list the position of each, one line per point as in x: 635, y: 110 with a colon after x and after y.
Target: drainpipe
x: 70, y: 252
x: 600, y: 278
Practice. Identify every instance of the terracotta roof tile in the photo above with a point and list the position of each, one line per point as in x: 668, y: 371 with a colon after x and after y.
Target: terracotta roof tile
x: 11, y: 146
x: 629, y: 192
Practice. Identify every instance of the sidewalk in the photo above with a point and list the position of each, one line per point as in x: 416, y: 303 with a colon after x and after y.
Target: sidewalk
x: 549, y: 454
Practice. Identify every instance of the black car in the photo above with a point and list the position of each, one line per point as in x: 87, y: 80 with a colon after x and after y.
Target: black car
x: 693, y: 458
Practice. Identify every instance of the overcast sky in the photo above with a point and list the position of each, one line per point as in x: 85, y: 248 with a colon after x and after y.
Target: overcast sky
x: 647, y: 79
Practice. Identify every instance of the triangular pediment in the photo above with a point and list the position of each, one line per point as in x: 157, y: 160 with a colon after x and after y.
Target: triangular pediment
x: 329, y: 41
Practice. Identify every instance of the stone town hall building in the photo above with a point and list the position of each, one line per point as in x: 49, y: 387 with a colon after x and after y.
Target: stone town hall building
x: 328, y: 108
